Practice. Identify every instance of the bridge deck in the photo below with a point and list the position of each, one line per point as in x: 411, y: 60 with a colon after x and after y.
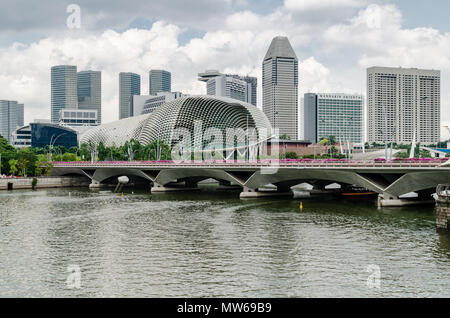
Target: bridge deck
x: 254, y: 165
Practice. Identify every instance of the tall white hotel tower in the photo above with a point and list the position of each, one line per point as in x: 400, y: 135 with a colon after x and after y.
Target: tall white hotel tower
x: 403, y: 104
x: 280, y: 87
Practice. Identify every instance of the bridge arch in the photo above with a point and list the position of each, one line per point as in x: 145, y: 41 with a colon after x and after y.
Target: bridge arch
x: 168, y: 175
x: 417, y: 181
x: 301, y: 175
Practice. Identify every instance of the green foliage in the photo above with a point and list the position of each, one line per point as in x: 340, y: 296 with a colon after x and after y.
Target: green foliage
x: 285, y: 137
x: 424, y: 154
x: 69, y: 157
x: 4, y: 146
x: 34, y: 183
x: 402, y: 155
x: 323, y: 142
x: 35, y: 161
x: 291, y: 155
x: 13, y: 166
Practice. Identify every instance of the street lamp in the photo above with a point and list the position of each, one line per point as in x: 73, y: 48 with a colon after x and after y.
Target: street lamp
x: 52, y: 143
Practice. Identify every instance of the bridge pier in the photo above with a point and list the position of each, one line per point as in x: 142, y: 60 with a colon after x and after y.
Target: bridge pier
x: 226, y: 185
x: 98, y: 185
x: 174, y: 187
x: 443, y: 208
x: 389, y: 200
x: 248, y: 193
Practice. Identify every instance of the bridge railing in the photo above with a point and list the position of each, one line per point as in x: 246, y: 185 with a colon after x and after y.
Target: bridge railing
x: 327, y: 163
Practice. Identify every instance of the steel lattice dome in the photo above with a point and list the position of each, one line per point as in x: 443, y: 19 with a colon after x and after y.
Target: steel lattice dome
x: 183, y: 113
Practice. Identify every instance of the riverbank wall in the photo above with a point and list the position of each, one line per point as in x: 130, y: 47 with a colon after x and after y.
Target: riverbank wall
x: 43, y: 183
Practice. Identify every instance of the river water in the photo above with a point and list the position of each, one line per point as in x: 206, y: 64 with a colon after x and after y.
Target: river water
x: 212, y: 244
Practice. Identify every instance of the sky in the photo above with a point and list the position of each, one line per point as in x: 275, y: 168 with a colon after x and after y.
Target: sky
x: 335, y: 41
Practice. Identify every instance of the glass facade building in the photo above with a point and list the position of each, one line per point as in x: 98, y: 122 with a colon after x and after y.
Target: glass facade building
x: 45, y: 134
x: 11, y: 117
x: 129, y: 84
x: 338, y: 115
x: 89, y: 88
x: 63, y: 89
x: 159, y: 81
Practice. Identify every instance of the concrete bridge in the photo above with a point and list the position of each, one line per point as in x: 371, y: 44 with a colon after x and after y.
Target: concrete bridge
x: 390, y: 179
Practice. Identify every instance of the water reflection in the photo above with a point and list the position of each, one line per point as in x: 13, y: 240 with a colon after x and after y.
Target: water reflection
x: 213, y: 244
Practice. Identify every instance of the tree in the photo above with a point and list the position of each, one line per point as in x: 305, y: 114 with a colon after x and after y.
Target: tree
x: 102, y: 152
x: 291, y: 155
x: 22, y: 165
x: 27, y: 161
x: 69, y: 157
x: 5, y: 146
x: 285, y: 137
x: 323, y: 142
x: 13, y: 166
x: 331, y: 140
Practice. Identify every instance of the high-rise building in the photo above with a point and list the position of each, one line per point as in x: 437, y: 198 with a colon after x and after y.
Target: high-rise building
x: 280, y: 87
x: 63, y: 89
x: 403, y: 104
x: 20, y: 115
x: 89, y: 88
x: 159, y: 81
x: 338, y: 115
x: 145, y: 104
x: 129, y: 84
x: 11, y: 117
x: 253, y: 81
x: 227, y: 86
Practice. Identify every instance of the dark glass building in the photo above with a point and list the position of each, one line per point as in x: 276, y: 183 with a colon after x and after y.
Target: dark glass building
x: 48, y: 134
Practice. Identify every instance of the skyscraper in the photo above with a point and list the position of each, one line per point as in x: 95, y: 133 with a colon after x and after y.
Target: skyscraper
x: 280, y: 87
x: 403, y: 104
x: 159, y: 81
x: 231, y: 87
x: 11, y: 117
x: 338, y: 115
x: 253, y: 81
x: 63, y: 89
x: 89, y: 89
x: 129, y: 84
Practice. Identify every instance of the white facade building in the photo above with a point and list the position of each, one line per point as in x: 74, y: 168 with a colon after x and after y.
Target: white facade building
x: 252, y: 81
x: 403, y: 104
x: 145, y: 104
x: 78, y: 117
x: 280, y: 87
x: 231, y: 87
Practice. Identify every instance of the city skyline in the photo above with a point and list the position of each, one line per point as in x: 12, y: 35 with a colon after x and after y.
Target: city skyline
x: 326, y: 64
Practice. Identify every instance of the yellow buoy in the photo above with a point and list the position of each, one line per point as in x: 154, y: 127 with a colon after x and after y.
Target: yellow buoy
x: 301, y: 206
x: 122, y: 195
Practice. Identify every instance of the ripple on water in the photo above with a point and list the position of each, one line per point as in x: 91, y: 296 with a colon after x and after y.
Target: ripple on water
x: 214, y: 245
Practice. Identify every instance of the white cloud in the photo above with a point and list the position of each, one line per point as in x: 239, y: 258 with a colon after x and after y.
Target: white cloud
x: 307, y: 5
x: 333, y: 60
